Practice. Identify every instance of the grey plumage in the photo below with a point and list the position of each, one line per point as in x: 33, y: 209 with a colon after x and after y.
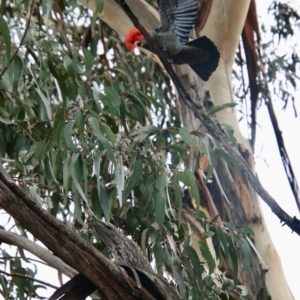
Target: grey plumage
x: 177, y: 18
x: 125, y: 251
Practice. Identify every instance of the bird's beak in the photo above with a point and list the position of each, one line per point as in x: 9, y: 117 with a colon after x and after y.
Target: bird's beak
x: 138, y: 44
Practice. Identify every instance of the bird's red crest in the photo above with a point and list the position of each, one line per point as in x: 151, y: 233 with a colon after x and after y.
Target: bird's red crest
x: 132, y: 37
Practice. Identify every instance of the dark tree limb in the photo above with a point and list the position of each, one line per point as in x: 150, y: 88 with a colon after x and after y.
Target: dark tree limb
x: 251, y: 27
x: 212, y: 129
x: 79, y: 287
x: 290, y: 174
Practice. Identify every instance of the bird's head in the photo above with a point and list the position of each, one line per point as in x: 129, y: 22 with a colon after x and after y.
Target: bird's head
x: 133, y: 39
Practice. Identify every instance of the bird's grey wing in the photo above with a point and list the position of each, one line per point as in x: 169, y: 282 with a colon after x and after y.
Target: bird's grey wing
x: 181, y: 16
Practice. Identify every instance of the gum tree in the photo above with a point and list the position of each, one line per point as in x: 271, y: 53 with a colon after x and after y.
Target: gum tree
x: 92, y: 132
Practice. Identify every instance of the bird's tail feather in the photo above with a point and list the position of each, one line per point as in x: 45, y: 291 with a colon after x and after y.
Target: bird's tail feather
x: 205, y: 68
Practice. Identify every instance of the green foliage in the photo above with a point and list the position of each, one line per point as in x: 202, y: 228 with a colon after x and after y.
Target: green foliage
x: 286, y: 18
x: 97, y: 135
x: 216, y: 109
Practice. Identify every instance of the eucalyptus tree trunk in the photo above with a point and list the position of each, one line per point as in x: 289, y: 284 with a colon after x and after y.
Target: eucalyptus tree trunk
x: 223, y: 23
x: 224, y: 26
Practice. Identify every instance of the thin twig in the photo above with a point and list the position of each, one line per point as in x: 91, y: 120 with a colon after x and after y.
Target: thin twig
x: 29, y: 278
x: 290, y: 174
x: 28, y: 258
x: 21, y: 42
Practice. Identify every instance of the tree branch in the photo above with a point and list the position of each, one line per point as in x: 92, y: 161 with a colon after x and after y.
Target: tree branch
x: 290, y: 174
x: 212, y: 129
x: 44, y: 254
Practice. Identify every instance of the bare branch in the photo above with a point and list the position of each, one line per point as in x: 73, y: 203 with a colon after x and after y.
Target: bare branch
x: 290, y: 174
x: 42, y: 253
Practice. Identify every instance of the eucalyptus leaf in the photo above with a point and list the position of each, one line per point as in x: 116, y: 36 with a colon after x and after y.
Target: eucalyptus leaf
x: 111, y: 99
x: 6, y: 121
x: 97, y: 207
x: 158, y: 254
x: 88, y: 60
x: 77, y: 207
x: 134, y: 179
x: 68, y: 64
x: 234, y: 259
x: 109, y: 134
x: 18, y: 71
x: 66, y: 177
x: 6, y: 36
x: 99, y: 6
x: 246, y: 252
x: 149, y: 129
x: 208, y: 256
x: 102, y: 196
x: 161, y: 182
x: 187, y: 137
x: 99, y: 134
x: 222, y: 238
x: 69, y: 137
x: 218, y: 108
x: 46, y: 101
x: 120, y: 177
x: 247, y: 230
x: 77, y: 184
x: 188, y: 179
x: 178, y: 277
x: 193, y: 256
x: 178, y: 196
x: 160, y: 206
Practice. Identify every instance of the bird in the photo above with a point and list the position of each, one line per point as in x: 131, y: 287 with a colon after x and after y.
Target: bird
x: 177, y: 18
x: 125, y: 251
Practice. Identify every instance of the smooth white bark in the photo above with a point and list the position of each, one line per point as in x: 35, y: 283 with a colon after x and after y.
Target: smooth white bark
x: 224, y: 26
